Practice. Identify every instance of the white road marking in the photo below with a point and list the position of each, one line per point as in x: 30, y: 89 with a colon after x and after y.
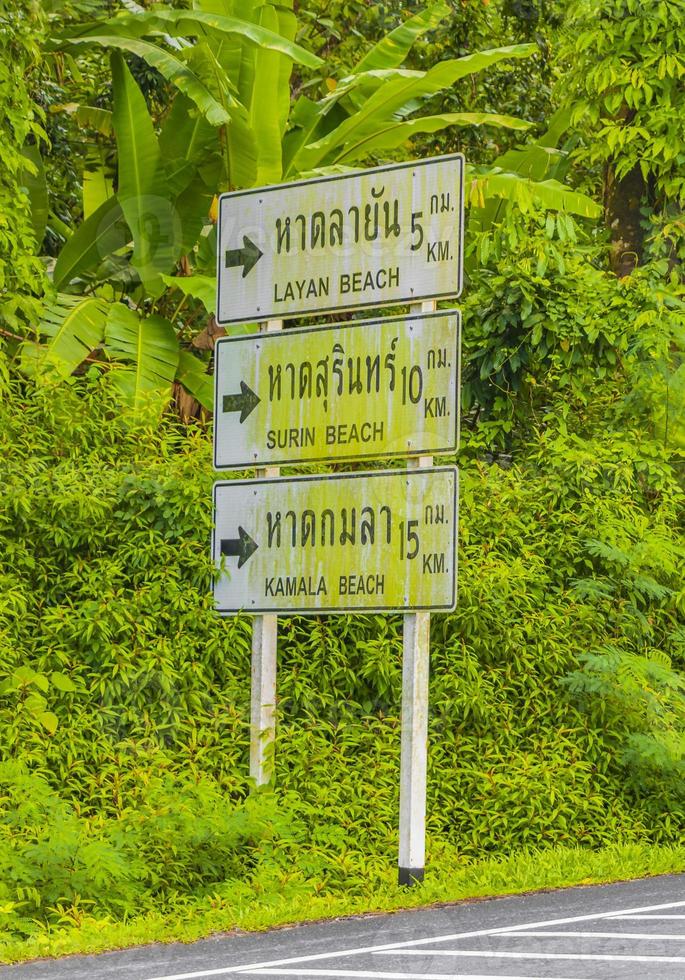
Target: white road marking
x: 312, y: 957
x: 643, y: 917
x: 508, y: 954
x: 398, y: 976
x: 605, y: 935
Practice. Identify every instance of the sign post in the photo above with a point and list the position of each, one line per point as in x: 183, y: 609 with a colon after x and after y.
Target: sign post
x: 381, y: 541
x: 414, y: 747
x: 264, y: 668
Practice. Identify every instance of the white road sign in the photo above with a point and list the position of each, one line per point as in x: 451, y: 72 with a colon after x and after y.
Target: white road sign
x: 363, y: 389
x: 381, y: 541
x: 379, y: 237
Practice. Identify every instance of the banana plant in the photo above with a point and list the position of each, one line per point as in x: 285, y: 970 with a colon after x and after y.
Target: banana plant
x: 232, y: 124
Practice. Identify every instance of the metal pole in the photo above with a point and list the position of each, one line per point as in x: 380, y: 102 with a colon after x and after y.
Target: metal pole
x: 414, y: 752
x: 264, y: 667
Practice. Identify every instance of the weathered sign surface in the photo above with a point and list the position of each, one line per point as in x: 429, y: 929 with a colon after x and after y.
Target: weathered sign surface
x: 348, y: 391
x: 389, y: 235
x: 381, y: 541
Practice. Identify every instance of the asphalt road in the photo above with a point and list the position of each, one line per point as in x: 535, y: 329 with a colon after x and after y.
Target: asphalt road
x: 628, y: 931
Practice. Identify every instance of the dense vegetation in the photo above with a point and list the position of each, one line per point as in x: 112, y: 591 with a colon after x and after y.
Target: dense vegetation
x: 558, y: 685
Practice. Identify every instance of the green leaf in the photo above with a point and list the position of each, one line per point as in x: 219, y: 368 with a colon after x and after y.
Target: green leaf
x: 305, y: 118
x: 142, y: 191
x: 33, y: 179
x: 397, y: 133
x: 192, y: 373
x: 398, y: 96
x: 62, y: 683
x: 88, y: 116
x: 48, y: 720
x: 25, y: 675
x: 35, y: 703
x: 264, y: 117
x: 391, y: 51
x: 171, y: 68
x: 198, y: 23
x: 287, y: 27
x: 75, y: 326
x: 185, y: 133
x: 540, y: 160
x: 149, y: 347
x: 192, y: 208
x: 97, y: 190
x: 202, y: 288
x: 102, y: 234
x: 547, y: 193
x: 242, y: 149
x: 137, y: 145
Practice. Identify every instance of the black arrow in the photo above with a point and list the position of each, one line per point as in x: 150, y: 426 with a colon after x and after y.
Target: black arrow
x: 244, y: 547
x: 245, y: 402
x: 248, y: 256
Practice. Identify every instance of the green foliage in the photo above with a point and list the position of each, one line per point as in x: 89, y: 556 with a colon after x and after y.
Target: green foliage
x: 625, y: 80
x: 105, y: 572
x: 640, y: 699
x: 21, y: 274
x: 543, y: 314
x: 75, y: 326
x: 150, y: 346
x: 182, y: 839
x: 557, y: 692
x: 337, y: 29
x: 232, y: 124
x: 140, y: 177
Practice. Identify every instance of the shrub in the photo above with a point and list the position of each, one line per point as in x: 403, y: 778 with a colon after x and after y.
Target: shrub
x: 139, y: 770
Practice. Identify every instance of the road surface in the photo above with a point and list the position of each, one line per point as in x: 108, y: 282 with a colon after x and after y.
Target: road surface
x: 626, y: 931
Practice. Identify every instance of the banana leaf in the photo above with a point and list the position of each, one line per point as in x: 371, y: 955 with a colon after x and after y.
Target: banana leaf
x: 192, y: 374
x: 142, y: 189
x: 264, y: 116
x: 398, y: 95
x: 395, y: 134
x: 170, y: 67
x: 547, y: 193
x: 33, y: 179
x: 202, y: 288
x: 102, y: 234
x: 76, y: 327
x: 185, y: 133
x: 391, y: 51
x: 149, y: 348
x: 199, y: 23
x: 88, y: 116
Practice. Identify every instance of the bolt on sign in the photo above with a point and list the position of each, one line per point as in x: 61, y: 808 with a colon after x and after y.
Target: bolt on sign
x: 382, y: 541
x: 385, y: 236
x: 347, y: 391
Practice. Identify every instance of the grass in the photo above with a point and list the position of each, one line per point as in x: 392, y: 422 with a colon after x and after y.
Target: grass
x: 448, y: 880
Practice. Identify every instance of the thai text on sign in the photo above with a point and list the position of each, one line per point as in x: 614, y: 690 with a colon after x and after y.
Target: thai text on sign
x: 388, y: 235
x: 367, y: 388
x: 381, y: 541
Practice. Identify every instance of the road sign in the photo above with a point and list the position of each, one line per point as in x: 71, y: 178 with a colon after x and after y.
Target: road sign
x: 381, y: 541
x: 348, y: 391
x: 388, y: 235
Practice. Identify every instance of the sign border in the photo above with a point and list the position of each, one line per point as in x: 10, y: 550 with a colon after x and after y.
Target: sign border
x: 402, y: 454
x: 336, y: 610
x: 261, y: 316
